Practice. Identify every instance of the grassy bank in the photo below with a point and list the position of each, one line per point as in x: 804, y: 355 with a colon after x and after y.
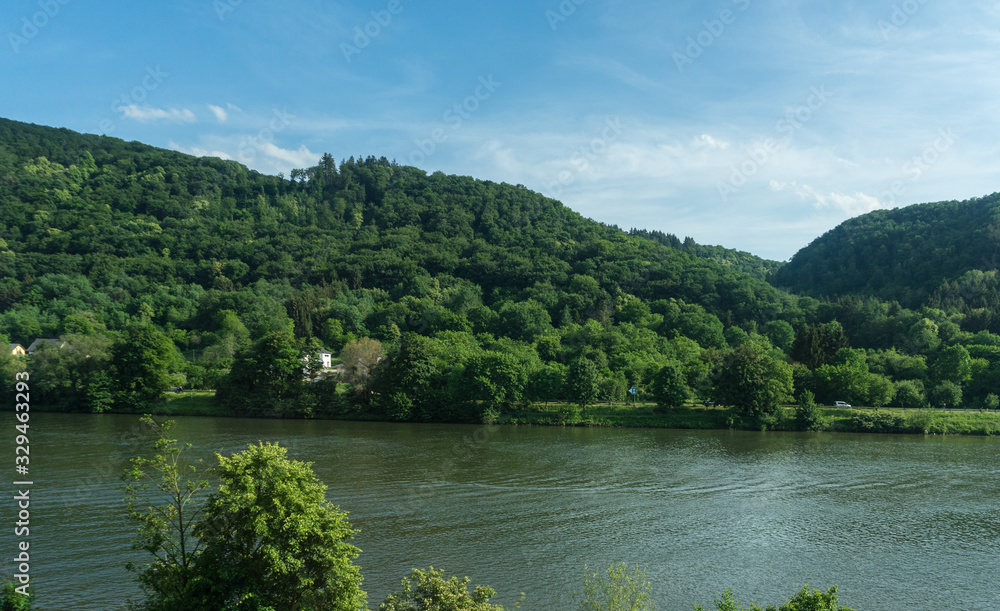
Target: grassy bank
x: 863, y: 420
x: 691, y: 416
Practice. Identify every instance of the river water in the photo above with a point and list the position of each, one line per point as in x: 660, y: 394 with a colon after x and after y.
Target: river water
x: 899, y: 522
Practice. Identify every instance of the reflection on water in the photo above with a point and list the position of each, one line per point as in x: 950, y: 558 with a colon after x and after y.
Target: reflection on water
x: 899, y: 522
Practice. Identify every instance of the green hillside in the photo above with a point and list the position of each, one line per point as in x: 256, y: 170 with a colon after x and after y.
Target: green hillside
x: 446, y: 297
x: 943, y: 255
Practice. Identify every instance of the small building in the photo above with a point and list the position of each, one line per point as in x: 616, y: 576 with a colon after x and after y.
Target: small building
x: 57, y: 343
x: 18, y: 350
x: 325, y: 363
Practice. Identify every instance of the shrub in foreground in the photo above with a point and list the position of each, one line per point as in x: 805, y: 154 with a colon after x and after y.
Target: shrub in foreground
x: 805, y: 600
x: 430, y: 591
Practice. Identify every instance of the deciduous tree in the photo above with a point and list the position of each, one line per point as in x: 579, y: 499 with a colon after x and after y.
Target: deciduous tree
x: 753, y: 381
x: 271, y: 537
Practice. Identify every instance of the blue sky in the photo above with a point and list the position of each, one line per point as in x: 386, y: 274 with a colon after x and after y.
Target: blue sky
x: 753, y: 124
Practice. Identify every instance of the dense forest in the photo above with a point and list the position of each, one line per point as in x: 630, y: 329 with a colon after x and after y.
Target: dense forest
x: 942, y: 255
x: 446, y: 298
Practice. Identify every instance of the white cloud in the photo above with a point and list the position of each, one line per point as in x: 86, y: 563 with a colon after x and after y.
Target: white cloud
x: 300, y: 158
x: 713, y: 143
x: 219, y: 112
x: 198, y: 151
x: 148, y: 113
x: 852, y: 205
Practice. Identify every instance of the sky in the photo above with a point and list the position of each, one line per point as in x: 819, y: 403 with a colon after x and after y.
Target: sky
x: 753, y: 124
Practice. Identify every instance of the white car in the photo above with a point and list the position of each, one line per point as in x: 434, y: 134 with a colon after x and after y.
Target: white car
x: 841, y: 404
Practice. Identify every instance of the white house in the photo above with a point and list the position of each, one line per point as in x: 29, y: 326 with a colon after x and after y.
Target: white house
x: 17, y: 350
x: 325, y: 361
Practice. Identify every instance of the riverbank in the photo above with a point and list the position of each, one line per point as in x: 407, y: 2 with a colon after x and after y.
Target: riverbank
x: 692, y: 416
x: 861, y: 420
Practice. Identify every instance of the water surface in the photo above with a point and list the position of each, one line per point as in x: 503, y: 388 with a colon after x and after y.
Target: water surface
x: 899, y: 522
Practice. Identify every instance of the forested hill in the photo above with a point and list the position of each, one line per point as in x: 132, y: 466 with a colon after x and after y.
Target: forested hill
x: 942, y: 255
x: 446, y: 298
x: 143, y: 224
x: 735, y: 259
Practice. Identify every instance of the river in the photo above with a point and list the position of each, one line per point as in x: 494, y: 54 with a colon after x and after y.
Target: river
x: 899, y: 522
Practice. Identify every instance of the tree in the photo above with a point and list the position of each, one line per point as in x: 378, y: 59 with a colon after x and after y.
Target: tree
x: 144, y: 360
x: 815, y: 346
x: 807, y: 416
x: 880, y: 391
x: 617, y: 589
x: 846, y: 379
x: 992, y: 401
x: 271, y: 537
x: 781, y: 334
x: 404, y: 382
x: 668, y: 387
x: 74, y: 377
x: 753, y: 381
x: 429, y: 591
x: 265, y: 379
x: 162, y: 495
x: 358, y: 357
x: 524, y: 320
x: 946, y: 394
x: 496, y: 378
x: 953, y: 364
x: 546, y: 382
x: 582, y: 381
x: 910, y: 393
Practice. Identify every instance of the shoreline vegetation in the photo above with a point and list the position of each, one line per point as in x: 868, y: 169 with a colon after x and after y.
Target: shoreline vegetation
x: 368, y: 290
x: 892, y: 420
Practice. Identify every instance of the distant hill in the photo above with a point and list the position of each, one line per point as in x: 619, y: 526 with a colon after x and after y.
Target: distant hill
x: 763, y: 269
x: 941, y: 254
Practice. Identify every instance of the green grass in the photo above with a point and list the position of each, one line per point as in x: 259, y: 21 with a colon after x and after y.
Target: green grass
x: 693, y: 416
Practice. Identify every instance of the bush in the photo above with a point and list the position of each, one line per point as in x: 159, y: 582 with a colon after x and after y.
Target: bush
x: 11, y: 600
x: 807, y: 416
x: 804, y: 600
x: 617, y: 589
x: 567, y: 414
x: 877, y: 422
x: 429, y: 591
